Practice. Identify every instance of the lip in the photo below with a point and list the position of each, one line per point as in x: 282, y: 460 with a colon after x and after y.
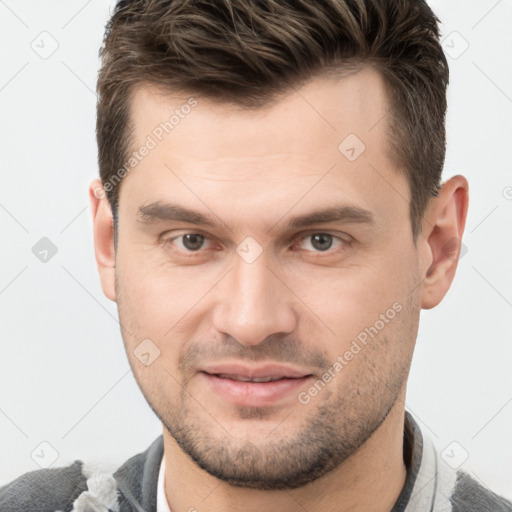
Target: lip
x: 250, y: 372
x: 253, y: 394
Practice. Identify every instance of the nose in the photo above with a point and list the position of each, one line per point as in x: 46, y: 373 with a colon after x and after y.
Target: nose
x: 253, y: 303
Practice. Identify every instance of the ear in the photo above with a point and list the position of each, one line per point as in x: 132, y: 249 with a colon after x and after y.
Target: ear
x: 103, y: 226
x: 442, y: 230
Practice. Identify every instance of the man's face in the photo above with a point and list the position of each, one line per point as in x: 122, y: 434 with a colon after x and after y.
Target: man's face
x: 263, y: 289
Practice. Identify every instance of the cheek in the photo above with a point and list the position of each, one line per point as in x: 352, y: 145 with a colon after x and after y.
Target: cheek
x: 346, y: 301
x: 156, y: 299
x: 137, y: 291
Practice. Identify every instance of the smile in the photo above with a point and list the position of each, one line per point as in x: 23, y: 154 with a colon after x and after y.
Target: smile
x: 259, y: 386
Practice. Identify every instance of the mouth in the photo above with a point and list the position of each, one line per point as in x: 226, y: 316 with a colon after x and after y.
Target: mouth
x: 270, y: 378
x: 254, y: 386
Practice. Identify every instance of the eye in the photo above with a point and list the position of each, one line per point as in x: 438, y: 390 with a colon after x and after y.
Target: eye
x: 320, y: 242
x: 190, y: 242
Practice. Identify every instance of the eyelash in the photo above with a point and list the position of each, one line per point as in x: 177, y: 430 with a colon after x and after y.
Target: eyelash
x: 296, y: 240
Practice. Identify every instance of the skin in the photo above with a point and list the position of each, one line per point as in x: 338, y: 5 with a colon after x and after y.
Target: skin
x: 252, y: 172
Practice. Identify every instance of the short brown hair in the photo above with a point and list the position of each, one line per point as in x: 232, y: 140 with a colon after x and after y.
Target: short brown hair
x: 248, y: 52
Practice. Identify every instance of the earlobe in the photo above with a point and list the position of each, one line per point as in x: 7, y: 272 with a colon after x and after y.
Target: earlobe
x: 103, y: 227
x: 443, y: 228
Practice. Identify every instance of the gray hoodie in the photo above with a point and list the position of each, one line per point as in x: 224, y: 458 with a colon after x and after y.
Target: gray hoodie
x: 431, y: 485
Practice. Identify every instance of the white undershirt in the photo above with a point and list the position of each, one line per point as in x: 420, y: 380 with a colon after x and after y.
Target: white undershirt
x: 161, y: 500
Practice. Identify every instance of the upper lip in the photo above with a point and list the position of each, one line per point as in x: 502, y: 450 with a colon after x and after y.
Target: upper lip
x: 251, y: 372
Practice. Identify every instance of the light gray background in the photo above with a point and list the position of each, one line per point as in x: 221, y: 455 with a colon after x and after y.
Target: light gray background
x: 64, y: 375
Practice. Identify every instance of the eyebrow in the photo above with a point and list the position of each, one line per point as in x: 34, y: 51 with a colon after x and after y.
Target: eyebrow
x: 154, y: 212
x: 348, y: 214
x: 158, y: 211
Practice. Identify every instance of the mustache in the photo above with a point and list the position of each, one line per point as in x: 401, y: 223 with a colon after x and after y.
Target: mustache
x: 274, y: 348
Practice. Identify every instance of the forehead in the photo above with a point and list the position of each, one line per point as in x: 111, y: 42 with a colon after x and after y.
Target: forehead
x: 324, y: 110
x: 325, y: 141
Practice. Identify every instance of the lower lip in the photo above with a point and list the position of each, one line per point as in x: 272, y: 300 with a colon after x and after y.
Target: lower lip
x: 254, y: 394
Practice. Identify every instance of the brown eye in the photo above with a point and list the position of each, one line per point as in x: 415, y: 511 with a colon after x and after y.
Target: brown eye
x: 188, y: 244
x: 193, y: 241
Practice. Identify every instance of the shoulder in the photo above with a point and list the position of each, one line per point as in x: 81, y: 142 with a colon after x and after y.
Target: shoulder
x: 71, y: 488
x: 44, y: 490
x: 470, y: 496
x: 79, y: 486
x: 432, y: 484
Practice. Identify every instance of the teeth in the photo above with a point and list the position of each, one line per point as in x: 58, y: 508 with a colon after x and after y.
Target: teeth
x: 246, y: 379
x: 233, y: 377
x: 264, y: 379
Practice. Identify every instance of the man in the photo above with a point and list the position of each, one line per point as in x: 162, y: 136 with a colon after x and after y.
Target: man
x: 270, y: 222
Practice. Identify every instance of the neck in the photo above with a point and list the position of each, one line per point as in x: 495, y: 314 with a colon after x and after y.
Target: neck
x: 370, y: 480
